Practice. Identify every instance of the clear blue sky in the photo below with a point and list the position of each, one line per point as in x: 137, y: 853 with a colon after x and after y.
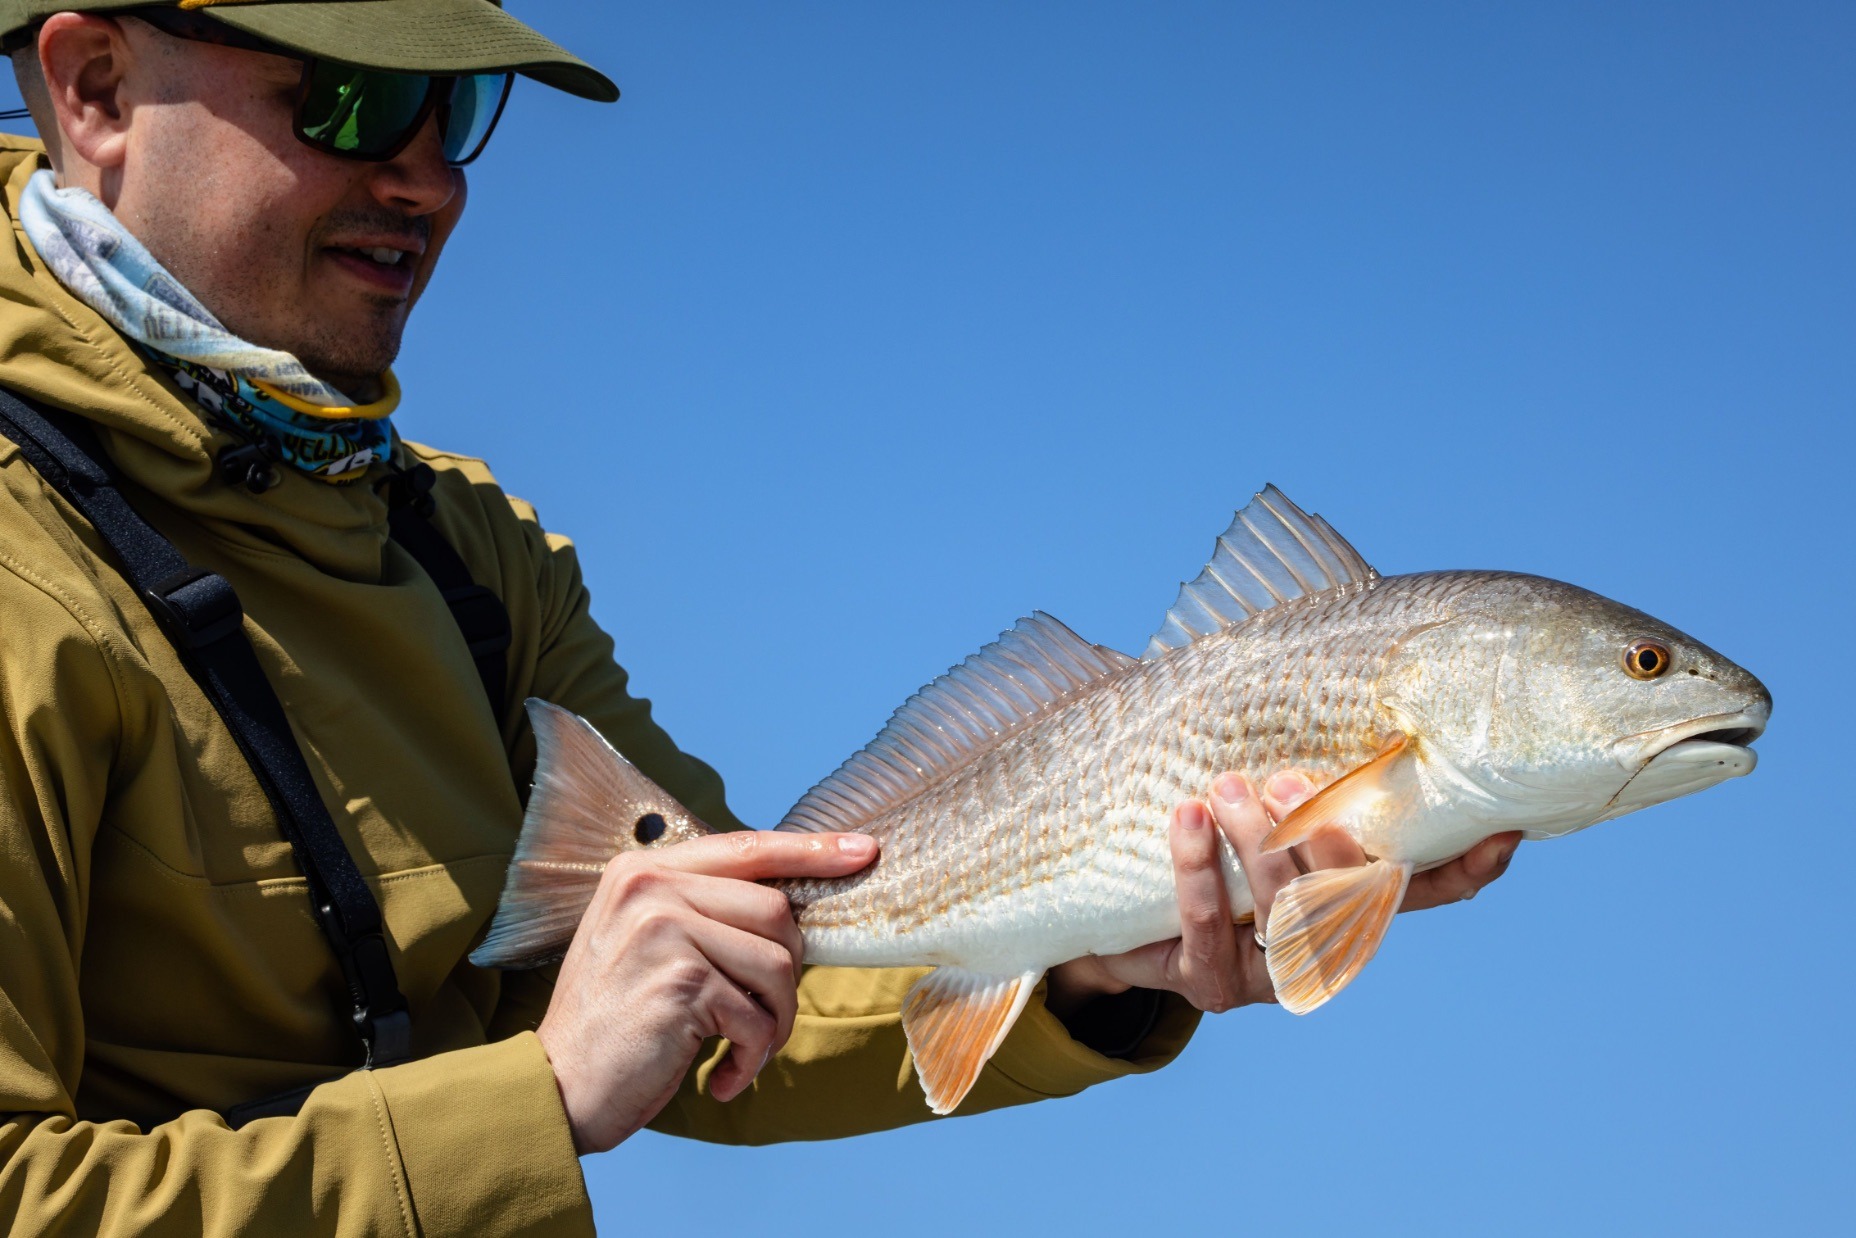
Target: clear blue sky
x: 856, y: 331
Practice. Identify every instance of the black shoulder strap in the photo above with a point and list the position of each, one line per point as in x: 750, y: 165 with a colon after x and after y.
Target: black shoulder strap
x: 201, y: 614
x: 479, y: 613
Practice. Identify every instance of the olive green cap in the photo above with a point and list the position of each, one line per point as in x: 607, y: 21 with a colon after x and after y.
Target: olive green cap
x: 407, y: 36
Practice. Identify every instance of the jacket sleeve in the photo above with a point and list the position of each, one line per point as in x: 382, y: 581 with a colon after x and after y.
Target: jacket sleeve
x: 375, y: 1152
x: 846, y: 1069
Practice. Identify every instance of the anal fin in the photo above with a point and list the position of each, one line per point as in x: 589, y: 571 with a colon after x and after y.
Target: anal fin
x: 954, y: 1020
x: 1327, y: 925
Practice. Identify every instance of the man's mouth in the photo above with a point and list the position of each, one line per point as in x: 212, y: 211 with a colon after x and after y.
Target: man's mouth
x: 381, y: 254
x: 389, y: 268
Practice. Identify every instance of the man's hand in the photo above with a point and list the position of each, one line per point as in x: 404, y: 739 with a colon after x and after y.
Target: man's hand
x: 1214, y: 964
x: 679, y: 945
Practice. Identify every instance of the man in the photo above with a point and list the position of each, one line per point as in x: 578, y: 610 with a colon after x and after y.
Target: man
x: 214, y: 258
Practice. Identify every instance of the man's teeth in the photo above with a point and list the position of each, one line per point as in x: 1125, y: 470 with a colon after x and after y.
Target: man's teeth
x: 385, y: 256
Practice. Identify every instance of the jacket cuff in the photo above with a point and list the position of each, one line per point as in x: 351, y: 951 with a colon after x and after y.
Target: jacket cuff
x: 483, y: 1142
x: 1115, y: 1024
x: 1040, y: 1055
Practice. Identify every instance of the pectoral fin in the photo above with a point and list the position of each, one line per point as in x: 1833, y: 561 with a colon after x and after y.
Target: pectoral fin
x: 1346, y: 802
x: 954, y: 1020
x: 1326, y: 925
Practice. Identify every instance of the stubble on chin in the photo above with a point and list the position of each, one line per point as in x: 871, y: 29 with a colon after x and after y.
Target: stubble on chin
x: 357, y: 343
x: 351, y: 355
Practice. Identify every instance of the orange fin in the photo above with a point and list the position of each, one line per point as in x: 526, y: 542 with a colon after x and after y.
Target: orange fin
x: 954, y: 1019
x: 1342, y: 802
x: 1326, y: 925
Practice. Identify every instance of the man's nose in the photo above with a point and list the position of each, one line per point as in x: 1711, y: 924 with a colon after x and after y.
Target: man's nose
x: 417, y: 181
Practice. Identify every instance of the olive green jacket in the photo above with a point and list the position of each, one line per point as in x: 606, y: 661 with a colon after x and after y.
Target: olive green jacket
x: 158, y: 959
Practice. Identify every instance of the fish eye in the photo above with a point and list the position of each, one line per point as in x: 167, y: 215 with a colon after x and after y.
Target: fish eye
x: 1646, y: 659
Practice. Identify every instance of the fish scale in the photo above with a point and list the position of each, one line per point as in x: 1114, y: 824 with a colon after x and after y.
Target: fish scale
x: 1022, y: 800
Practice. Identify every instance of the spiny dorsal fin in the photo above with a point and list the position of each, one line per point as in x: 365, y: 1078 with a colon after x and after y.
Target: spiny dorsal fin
x: 994, y: 694
x: 1274, y: 552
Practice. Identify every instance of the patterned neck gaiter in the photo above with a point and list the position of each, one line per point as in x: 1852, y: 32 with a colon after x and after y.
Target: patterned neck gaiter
x: 260, y: 394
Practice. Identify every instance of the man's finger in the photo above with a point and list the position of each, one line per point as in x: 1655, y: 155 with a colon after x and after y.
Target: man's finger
x: 759, y: 968
x: 1242, y: 817
x: 750, y: 1032
x: 1146, y: 967
x: 755, y: 855
x: 1208, y: 940
x: 1464, y: 876
x: 752, y: 908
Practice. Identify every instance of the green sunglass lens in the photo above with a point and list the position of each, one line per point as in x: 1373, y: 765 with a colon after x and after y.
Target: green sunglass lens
x: 361, y: 111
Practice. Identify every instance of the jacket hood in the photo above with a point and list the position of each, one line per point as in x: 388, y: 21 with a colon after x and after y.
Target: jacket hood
x: 56, y: 349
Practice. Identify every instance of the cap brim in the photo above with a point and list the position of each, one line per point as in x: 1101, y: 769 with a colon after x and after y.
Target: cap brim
x: 434, y: 36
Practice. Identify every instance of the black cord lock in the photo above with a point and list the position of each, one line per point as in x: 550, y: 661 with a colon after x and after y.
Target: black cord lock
x: 248, y: 465
x: 411, y: 488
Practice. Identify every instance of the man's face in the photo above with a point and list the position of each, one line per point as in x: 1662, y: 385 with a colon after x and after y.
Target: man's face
x: 283, y: 243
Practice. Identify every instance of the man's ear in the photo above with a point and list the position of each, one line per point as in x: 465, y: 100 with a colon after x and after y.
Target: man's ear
x: 83, y: 60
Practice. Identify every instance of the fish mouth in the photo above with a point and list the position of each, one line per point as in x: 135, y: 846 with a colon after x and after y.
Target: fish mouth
x: 1734, y: 730
x: 1691, y: 756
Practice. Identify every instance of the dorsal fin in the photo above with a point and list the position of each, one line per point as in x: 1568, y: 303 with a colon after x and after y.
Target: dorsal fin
x: 1274, y: 552
x: 994, y: 694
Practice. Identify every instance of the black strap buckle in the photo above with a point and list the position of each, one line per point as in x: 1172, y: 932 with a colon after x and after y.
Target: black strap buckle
x: 197, y: 607
x: 388, y: 1037
x: 380, y: 1013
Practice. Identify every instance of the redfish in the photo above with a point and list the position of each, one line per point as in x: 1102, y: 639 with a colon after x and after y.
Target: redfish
x: 1022, y: 799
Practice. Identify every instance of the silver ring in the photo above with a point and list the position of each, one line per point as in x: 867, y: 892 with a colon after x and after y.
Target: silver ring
x: 1258, y: 938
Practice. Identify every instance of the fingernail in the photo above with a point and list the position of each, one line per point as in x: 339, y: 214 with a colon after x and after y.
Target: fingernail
x: 1288, y: 786
x: 1506, y: 854
x: 857, y: 844
x: 1192, y: 816
x: 1232, y: 789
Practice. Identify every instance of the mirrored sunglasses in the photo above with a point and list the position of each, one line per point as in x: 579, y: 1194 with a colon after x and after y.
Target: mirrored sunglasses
x: 360, y: 113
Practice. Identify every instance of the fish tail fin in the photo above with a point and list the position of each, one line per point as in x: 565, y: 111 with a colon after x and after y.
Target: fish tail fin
x: 588, y: 805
